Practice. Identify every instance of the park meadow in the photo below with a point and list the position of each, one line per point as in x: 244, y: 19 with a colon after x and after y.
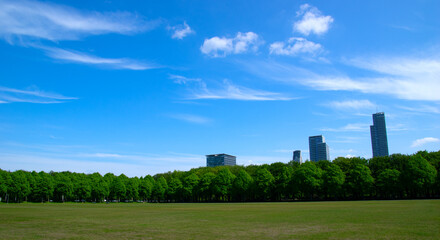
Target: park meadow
x: 397, y: 219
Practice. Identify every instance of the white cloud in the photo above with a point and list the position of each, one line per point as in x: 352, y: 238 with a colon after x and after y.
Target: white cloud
x: 222, y: 46
x: 351, y: 104
x: 79, y: 57
x: 246, y: 41
x: 312, y: 21
x: 235, y: 92
x: 33, y: 95
x: 191, y: 118
x: 181, y: 31
x: 294, y: 46
x: 423, y: 141
x: 57, y: 22
x: 215, y: 45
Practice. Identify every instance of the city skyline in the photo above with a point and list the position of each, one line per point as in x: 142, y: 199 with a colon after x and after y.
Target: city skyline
x: 147, y: 87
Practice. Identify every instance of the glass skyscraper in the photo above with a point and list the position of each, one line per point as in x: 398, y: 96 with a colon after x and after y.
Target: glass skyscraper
x: 318, y: 149
x: 378, y: 131
x: 297, y: 156
x: 221, y: 159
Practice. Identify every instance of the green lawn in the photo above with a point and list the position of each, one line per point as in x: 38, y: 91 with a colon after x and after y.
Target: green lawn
x: 417, y: 219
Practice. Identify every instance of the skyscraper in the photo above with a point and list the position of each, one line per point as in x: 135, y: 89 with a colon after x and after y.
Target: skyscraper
x: 378, y: 131
x: 297, y: 156
x: 318, y: 148
x: 221, y: 159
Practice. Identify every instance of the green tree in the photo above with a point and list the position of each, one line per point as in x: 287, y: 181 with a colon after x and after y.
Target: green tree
x: 118, y: 189
x: 307, y: 180
x: 359, y: 180
x: 242, y: 185
x: 33, y: 179
x: 19, y: 188
x: 388, y: 183
x: 160, y: 188
x: 282, y: 174
x: 132, y: 185
x: 175, y: 188
x: 5, y: 183
x: 146, y: 187
x: 45, y: 185
x: 206, y: 185
x: 63, y: 190
x: 263, y: 182
x: 332, y: 180
x: 222, y: 184
x: 419, y: 176
x: 190, y: 183
x: 82, y: 188
x: 100, y: 189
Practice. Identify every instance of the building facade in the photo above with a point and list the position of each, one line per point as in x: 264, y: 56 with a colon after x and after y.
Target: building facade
x: 318, y: 149
x: 297, y: 156
x: 378, y: 130
x: 221, y: 159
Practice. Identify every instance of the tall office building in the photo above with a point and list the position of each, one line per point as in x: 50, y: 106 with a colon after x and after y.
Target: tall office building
x: 297, y: 156
x: 318, y: 149
x: 378, y: 131
x: 221, y: 159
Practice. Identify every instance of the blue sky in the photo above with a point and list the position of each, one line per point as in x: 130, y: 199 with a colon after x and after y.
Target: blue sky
x: 143, y: 87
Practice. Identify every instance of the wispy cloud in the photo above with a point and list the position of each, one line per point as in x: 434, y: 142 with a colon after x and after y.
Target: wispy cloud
x: 235, y: 92
x: 225, y: 90
x: 409, y: 78
x: 397, y: 127
x: 191, y: 118
x: 117, y: 163
x: 312, y: 21
x: 258, y: 160
x: 351, y: 127
x: 182, y: 79
x: 79, y: 57
x: 294, y: 46
x: 103, y: 155
x: 401, y: 27
x: 351, y: 105
x: 34, y: 95
x: 222, y: 46
x: 404, y: 77
x: 346, y: 139
x: 422, y: 109
x: 181, y: 31
x: 55, y: 22
x: 423, y: 141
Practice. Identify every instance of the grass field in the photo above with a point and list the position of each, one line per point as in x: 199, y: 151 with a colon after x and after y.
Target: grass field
x: 417, y: 219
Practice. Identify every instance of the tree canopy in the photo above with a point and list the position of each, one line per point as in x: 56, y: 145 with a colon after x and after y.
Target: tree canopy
x: 395, y: 177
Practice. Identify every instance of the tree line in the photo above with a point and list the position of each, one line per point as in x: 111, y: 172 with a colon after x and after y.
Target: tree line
x: 395, y: 177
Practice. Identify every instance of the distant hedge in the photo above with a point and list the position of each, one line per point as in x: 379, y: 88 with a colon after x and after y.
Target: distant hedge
x: 395, y: 177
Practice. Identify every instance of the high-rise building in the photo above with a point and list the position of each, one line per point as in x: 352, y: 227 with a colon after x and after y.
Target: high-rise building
x: 297, y: 156
x: 378, y: 131
x: 221, y: 159
x: 318, y: 149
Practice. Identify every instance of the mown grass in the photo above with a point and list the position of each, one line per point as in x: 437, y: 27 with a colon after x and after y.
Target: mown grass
x: 415, y: 219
